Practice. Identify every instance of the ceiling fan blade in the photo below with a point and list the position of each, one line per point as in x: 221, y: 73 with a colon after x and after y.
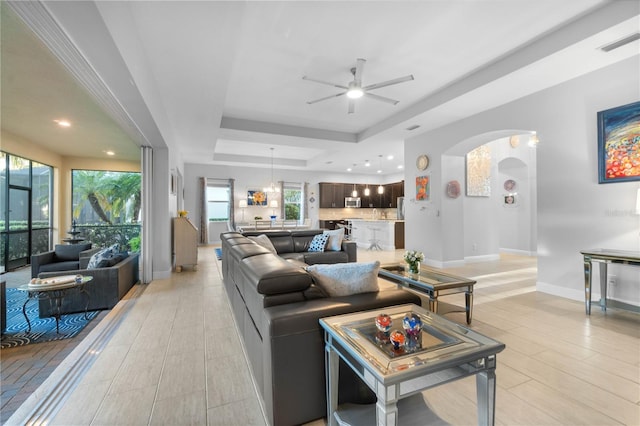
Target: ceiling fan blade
x: 388, y: 83
x: 352, y: 106
x: 359, y: 67
x: 381, y: 98
x: 325, y: 82
x: 325, y: 98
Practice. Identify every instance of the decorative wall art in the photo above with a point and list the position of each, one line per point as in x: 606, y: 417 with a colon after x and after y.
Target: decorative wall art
x: 509, y: 185
x: 619, y: 144
x: 453, y: 189
x: 256, y: 198
x: 422, y: 188
x: 510, y: 200
x: 479, y: 172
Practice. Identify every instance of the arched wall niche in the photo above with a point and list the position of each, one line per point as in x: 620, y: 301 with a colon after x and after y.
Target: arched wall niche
x: 480, y: 228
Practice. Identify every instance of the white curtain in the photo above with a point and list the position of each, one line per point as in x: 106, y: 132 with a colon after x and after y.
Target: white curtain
x: 281, y: 200
x: 305, y: 200
x: 204, y: 228
x: 232, y: 203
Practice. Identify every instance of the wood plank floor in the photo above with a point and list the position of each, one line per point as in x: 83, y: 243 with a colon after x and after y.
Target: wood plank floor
x: 172, y: 359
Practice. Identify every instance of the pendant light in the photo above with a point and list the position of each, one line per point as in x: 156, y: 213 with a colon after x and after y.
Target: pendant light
x: 272, y: 187
x: 354, y: 193
x: 367, y: 191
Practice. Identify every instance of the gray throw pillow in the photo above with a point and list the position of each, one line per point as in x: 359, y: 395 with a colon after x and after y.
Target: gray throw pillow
x: 99, y: 257
x: 345, y: 279
x: 265, y: 242
x: 335, y: 239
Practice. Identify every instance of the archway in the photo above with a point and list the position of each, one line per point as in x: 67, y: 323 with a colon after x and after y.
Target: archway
x: 479, y: 228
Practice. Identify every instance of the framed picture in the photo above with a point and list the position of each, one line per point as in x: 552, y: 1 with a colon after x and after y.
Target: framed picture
x: 256, y: 198
x: 422, y: 188
x: 619, y: 144
x: 510, y: 200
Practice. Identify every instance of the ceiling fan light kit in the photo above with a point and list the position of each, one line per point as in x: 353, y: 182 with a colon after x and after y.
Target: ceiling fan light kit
x: 354, y: 89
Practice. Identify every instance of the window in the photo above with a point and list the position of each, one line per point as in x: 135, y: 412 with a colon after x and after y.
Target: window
x: 217, y: 202
x: 293, y: 201
x: 106, y: 207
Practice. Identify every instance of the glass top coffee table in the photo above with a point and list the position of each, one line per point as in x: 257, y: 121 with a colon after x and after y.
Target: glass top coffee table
x: 431, y: 282
x: 439, y: 352
x: 55, y: 289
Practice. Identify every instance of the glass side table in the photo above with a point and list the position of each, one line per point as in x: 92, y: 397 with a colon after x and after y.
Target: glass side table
x: 442, y: 351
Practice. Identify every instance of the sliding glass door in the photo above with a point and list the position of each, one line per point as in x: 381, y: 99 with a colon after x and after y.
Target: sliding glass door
x: 25, y: 203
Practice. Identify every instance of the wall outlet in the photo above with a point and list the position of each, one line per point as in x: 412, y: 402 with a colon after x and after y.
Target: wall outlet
x: 474, y: 247
x: 612, y: 280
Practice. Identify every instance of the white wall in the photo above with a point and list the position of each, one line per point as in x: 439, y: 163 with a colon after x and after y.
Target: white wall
x: 573, y: 211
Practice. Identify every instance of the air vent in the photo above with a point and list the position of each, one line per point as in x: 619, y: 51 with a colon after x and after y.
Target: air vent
x: 611, y: 46
x: 415, y: 126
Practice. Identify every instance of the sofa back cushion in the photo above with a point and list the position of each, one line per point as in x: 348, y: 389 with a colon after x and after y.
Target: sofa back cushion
x: 69, y: 251
x: 270, y: 274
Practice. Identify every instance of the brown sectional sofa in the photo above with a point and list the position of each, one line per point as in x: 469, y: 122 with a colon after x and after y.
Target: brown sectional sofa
x: 277, y: 306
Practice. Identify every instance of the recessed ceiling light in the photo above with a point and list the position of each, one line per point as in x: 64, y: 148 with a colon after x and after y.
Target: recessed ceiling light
x: 400, y: 166
x: 348, y: 169
x: 63, y: 123
x: 389, y: 157
x: 110, y: 152
x: 379, y: 171
x: 367, y: 163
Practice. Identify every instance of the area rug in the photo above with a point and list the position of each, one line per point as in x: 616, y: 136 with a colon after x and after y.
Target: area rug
x: 42, y: 329
x: 218, y: 253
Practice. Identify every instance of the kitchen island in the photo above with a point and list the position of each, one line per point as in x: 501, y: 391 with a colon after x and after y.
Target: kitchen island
x: 377, y: 234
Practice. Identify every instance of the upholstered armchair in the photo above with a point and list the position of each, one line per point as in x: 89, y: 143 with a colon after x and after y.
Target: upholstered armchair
x: 64, y: 257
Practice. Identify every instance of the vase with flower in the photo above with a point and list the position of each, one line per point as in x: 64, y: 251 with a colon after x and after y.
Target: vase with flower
x: 413, y: 259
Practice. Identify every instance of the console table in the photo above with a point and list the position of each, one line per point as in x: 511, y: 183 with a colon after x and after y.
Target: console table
x: 604, y: 257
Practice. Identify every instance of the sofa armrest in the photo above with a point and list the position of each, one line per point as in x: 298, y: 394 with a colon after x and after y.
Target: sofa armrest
x: 40, y: 259
x: 351, y: 248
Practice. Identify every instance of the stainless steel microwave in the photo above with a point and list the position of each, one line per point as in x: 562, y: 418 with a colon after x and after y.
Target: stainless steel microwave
x: 352, y: 202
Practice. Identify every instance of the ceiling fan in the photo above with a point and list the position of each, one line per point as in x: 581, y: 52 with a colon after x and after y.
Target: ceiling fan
x: 355, y: 90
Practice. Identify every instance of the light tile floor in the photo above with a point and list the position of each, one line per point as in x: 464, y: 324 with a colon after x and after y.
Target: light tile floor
x: 172, y: 357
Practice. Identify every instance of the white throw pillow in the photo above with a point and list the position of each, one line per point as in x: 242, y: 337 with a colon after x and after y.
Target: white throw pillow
x: 345, y: 279
x: 265, y: 242
x: 335, y: 239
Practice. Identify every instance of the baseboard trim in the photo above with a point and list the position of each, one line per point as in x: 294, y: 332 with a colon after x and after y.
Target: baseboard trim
x: 482, y: 258
x: 518, y: 252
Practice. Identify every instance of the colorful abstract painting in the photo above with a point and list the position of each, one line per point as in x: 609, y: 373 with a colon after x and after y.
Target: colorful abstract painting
x: 256, y: 198
x: 479, y: 172
x: 619, y: 144
x: 422, y: 188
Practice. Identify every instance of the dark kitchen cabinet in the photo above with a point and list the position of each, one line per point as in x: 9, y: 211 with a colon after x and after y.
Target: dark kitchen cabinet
x: 332, y: 195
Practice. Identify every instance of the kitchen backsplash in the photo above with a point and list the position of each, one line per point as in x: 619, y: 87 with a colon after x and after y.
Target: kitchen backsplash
x: 361, y: 213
